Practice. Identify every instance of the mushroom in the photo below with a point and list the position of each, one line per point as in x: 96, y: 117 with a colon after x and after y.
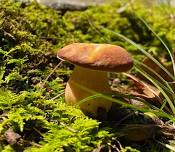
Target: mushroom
x: 92, y: 62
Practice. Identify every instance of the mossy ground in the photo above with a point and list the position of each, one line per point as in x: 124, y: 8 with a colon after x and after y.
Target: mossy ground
x: 30, y: 36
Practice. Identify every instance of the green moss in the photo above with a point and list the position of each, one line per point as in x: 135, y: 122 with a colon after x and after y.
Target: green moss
x: 30, y: 36
x: 49, y: 124
x: 87, y: 25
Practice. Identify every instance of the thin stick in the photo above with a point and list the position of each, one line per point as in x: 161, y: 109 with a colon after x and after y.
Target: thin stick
x: 52, y: 72
x: 57, y: 96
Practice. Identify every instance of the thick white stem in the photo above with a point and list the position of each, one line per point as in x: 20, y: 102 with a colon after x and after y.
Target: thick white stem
x: 90, y: 79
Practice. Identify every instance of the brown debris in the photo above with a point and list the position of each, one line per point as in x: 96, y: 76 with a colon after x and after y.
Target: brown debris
x: 11, y: 136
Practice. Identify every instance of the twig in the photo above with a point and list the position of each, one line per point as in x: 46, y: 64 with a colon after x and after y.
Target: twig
x: 69, y: 128
x: 35, y: 144
x: 52, y: 72
x: 38, y: 131
x: 57, y: 96
x: 31, y: 143
x: 124, y: 118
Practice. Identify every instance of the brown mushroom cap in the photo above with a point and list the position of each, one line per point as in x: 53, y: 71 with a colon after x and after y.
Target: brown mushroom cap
x: 104, y: 57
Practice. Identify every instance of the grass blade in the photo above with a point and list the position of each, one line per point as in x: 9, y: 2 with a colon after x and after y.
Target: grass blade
x: 140, y: 48
x: 172, y: 148
x: 161, y: 90
x: 159, y: 38
x: 157, y: 112
x: 167, y: 87
x: 97, y: 95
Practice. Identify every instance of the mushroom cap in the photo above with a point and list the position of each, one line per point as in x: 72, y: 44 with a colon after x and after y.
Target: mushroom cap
x: 103, y: 57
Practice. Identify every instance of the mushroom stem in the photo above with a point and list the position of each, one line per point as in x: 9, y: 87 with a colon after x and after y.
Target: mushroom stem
x: 90, y: 79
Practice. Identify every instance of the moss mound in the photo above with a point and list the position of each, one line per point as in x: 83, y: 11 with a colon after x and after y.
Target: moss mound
x: 33, y: 115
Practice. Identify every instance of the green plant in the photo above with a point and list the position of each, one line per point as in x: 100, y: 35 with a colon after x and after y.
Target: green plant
x: 31, y: 102
x: 166, y: 89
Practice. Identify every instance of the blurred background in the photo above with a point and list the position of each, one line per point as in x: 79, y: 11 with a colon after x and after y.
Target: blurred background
x: 90, y: 2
